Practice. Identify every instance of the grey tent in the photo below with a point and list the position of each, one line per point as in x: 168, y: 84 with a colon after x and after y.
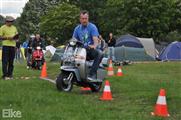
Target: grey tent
x: 149, y: 46
x: 133, y: 48
x: 131, y: 53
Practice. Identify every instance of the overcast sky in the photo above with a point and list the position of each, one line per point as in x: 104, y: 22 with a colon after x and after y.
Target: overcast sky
x: 11, y: 7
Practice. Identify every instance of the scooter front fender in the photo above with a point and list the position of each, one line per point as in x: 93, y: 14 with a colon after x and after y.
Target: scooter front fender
x: 74, y: 70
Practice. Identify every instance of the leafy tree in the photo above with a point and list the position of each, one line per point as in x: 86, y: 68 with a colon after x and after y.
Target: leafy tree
x: 143, y: 18
x: 60, y: 21
x: 175, y: 23
x: 30, y: 18
x: 160, y: 19
x: 29, y: 21
x: 93, y: 6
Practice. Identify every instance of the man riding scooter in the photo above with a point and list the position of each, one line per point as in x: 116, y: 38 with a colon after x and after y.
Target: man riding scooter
x: 88, y: 34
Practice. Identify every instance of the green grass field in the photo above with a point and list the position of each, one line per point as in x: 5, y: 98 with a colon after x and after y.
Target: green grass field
x: 134, y: 94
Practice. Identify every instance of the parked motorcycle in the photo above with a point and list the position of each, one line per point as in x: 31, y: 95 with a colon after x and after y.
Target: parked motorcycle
x: 37, y: 58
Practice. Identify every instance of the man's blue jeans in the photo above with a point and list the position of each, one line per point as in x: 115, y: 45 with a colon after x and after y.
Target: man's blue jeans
x: 96, y: 55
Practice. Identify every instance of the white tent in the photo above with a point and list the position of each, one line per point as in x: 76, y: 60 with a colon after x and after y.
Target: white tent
x: 149, y: 46
x: 51, y: 49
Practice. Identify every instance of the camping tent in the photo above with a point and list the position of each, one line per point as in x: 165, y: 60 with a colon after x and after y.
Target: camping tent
x: 149, y: 46
x: 129, y: 41
x: 134, y: 44
x: 131, y: 53
x: 57, y: 55
x: 51, y: 49
x: 171, y: 52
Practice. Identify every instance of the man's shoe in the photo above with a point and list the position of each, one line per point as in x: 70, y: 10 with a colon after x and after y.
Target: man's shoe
x: 6, y: 78
x: 10, y: 77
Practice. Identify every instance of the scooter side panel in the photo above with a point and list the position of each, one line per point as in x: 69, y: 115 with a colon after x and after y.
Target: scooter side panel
x: 101, y: 74
x: 81, y: 62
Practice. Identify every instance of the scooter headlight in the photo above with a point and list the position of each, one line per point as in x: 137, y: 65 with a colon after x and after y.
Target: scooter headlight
x: 72, y: 43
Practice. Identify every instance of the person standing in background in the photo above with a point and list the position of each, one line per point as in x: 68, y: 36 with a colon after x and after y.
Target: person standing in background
x: 111, y: 44
x: 18, y: 51
x: 29, y: 51
x: 25, y: 45
x: 111, y: 40
x: 101, y: 44
x: 8, y: 35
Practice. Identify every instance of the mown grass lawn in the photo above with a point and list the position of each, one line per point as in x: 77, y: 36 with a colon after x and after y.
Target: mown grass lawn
x: 134, y: 95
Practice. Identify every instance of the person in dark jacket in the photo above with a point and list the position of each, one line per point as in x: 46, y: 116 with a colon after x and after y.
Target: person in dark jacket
x: 38, y: 41
x: 111, y: 40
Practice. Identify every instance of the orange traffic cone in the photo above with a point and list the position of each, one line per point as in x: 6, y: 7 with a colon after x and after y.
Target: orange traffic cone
x: 85, y: 88
x: 44, y: 71
x: 161, y: 105
x: 119, y: 73
x: 107, y: 92
x: 110, y: 69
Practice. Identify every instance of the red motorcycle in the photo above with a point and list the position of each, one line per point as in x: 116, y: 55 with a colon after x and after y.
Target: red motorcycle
x: 37, y: 58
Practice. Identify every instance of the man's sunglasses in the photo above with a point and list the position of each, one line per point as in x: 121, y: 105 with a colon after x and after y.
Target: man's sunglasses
x: 9, y: 21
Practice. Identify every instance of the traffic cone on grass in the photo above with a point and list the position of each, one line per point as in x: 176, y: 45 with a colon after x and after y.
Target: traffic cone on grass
x: 44, y: 71
x: 161, y: 105
x: 110, y: 69
x: 107, y: 96
x: 119, y: 73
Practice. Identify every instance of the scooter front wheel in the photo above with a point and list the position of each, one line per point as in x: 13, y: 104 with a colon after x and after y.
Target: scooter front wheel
x: 64, y: 81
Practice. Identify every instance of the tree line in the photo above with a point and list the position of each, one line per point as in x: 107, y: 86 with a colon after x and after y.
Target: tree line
x: 56, y: 19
